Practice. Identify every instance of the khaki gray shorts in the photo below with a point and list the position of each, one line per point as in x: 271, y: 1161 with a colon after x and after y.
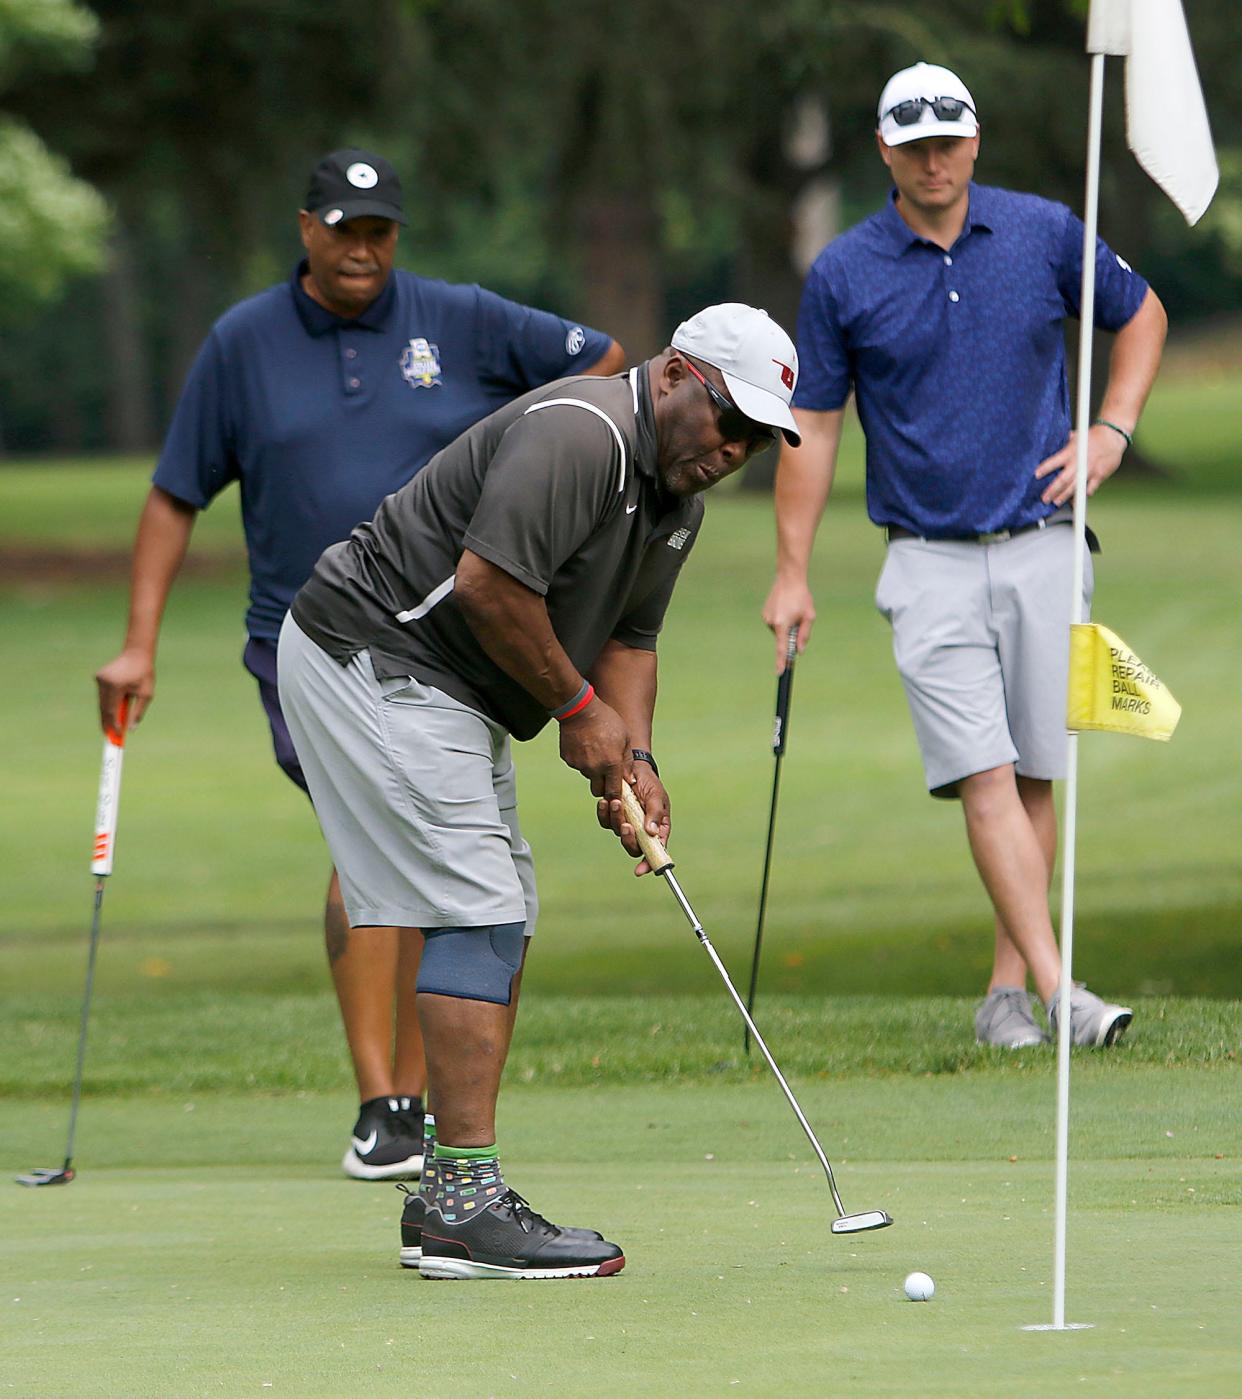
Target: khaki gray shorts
x: 414, y: 791
x: 981, y: 640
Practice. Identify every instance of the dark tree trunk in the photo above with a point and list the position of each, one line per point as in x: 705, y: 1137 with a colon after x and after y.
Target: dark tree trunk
x: 618, y: 256
x: 127, y: 403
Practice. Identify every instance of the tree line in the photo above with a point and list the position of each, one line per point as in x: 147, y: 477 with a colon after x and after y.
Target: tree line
x: 622, y: 163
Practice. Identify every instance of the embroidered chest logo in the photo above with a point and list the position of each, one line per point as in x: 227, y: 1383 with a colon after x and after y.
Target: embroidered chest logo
x: 679, y: 538
x: 420, y: 364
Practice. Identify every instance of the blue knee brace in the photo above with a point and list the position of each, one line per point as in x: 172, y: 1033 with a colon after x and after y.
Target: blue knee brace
x: 473, y: 964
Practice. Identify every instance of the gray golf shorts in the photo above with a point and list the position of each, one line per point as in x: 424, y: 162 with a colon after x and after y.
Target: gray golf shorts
x: 414, y: 792
x: 981, y: 640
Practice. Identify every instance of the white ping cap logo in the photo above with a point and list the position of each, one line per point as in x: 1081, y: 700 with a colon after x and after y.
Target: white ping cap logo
x: 362, y: 176
x: 333, y: 216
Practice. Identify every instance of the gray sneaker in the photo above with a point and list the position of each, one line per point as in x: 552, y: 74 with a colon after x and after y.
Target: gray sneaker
x: 1092, y: 1021
x: 1005, y: 1018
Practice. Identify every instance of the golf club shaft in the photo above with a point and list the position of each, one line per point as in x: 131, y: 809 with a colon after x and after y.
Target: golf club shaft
x: 86, y: 1010
x: 102, y: 853
x: 780, y: 730
x: 658, y: 858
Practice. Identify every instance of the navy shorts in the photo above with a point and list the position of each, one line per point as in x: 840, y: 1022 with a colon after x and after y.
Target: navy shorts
x: 259, y: 658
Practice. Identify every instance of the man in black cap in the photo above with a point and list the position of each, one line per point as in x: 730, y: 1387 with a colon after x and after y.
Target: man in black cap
x: 320, y: 396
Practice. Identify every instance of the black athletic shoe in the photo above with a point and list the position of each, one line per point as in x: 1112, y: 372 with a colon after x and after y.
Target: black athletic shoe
x: 415, y: 1211
x: 387, y: 1142
x: 412, y: 1227
x: 509, y: 1240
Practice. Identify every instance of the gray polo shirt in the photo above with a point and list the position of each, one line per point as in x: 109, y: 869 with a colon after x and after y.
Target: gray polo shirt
x: 559, y: 489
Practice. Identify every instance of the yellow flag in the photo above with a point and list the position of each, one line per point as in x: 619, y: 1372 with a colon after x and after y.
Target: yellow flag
x: 1111, y: 689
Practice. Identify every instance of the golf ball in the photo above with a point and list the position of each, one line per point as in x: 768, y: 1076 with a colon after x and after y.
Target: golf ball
x: 920, y: 1288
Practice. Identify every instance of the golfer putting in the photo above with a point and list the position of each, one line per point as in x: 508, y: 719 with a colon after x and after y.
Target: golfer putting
x: 521, y: 577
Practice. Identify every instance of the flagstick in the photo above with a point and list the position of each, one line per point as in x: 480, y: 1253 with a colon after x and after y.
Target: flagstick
x: 1086, y: 328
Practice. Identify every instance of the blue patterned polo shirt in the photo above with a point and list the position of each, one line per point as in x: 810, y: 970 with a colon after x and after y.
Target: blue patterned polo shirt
x: 957, y: 358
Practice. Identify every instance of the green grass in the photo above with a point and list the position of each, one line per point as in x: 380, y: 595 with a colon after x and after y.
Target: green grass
x: 169, y: 1041
x: 191, y: 1258
x: 95, y: 504
x: 209, y: 1245
x: 872, y: 890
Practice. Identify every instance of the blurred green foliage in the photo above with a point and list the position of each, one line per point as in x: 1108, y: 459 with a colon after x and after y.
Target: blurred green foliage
x: 52, y: 225
x: 620, y: 163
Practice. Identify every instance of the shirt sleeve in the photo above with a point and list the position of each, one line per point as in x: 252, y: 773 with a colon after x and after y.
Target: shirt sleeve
x: 198, y: 459
x: 549, y: 486
x: 523, y: 348
x: 1119, y: 290
x: 824, y: 375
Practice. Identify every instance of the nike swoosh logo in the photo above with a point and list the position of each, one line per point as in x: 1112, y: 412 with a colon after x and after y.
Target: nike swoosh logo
x: 629, y: 509
x: 364, y: 1145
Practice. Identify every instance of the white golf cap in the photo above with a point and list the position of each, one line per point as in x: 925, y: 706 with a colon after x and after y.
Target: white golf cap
x: 755, y: 356
x: 924, y: 83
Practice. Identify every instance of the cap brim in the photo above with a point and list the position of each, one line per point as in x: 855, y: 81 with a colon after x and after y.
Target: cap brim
x: 361, y: 208
x: 893, y: 135
x: 763, y: 407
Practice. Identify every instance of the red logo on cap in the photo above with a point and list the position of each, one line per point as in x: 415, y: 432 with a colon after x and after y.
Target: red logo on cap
x: 787, y: 374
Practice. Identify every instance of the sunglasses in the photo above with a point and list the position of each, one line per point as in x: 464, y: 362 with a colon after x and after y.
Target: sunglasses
x: 944, y: 108
x: 734, y: 425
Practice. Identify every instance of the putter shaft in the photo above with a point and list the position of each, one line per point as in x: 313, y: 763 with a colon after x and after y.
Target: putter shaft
x: 671, y: 880
x: 86, y: 1011
x: 658, y: 859
x: 780, y: 735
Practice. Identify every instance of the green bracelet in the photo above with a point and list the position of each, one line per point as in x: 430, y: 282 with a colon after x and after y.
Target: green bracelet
x: 1103, y: 422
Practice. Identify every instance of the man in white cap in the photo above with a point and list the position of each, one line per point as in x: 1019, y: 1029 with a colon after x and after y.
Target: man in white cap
x: 943, y: 313
x: 522, y: 576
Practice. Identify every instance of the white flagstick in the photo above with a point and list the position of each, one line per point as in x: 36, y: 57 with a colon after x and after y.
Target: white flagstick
x: 1086, y: 330
x: 1168, y: 131
x: 1083, y: 413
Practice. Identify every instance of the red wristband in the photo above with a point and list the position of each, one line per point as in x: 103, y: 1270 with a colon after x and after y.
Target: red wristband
x: 576, y: 705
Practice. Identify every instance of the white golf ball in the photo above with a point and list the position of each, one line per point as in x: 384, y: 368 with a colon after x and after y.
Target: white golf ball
x: 919, y: 1287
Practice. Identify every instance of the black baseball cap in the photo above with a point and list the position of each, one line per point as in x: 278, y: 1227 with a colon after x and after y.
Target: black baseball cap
x: 350, y: 183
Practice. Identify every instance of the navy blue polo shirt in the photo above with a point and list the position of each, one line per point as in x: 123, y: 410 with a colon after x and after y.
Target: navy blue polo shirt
x: 957, y: 359
x: 319, y: 418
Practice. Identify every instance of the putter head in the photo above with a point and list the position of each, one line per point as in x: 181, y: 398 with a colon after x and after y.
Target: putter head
x: 48, y: 1175
x: 857, y: 1223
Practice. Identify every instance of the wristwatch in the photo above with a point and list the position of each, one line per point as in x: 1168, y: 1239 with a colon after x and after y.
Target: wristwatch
x: 640, y: 755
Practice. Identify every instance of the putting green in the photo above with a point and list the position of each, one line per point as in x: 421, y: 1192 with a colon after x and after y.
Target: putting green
x: 198, y: 1253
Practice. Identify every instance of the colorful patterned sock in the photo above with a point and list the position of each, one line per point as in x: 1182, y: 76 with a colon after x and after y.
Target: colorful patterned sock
x: 467, y: 1179
x: 428, y: 1178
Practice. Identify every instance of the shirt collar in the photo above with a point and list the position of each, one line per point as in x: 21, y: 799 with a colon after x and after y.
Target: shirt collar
x: 901, y: 236
x: 675, y: 509
x: 318, y: 320
x: 644, y: 421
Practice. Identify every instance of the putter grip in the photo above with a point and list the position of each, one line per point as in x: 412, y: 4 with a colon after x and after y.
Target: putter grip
x: 784, y: 687
x: 108, y: 800
x: 656, y: 855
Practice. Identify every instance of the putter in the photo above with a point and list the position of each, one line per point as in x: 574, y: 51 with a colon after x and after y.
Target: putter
x: 780, y: 732
x: 658, y: 858
x: 101, y: 868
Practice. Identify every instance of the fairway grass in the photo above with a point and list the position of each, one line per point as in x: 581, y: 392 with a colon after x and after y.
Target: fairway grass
x: 198, y: 1253
x: 210, y: 1245
x: 220, y: 867
x: 163, y: 1041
